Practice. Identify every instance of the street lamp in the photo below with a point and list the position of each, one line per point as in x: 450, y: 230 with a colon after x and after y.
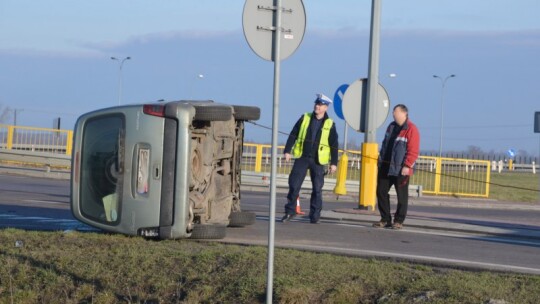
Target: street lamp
x: 192, y: 84
x: 443, y: 83
x: 120, y: 64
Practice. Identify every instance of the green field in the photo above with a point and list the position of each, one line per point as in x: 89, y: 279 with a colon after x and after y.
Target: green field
x: 56, y: 267
x: 515, y: 187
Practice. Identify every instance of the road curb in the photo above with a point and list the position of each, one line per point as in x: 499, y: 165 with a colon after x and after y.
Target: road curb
x: 501, y: 230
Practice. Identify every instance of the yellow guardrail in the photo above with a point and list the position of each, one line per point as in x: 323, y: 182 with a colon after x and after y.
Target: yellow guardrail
x: 452, y: 176
x: 36, y: 139
x: 439, y: 176
x: 257, y: 158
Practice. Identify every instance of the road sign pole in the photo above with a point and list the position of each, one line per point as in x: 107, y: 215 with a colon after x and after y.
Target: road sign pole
x: 537, y: 130
x: 268, y: 39
x: 345, y: 137
x: 368, y: 175
x: 373, y: 78
x: 275, y: 121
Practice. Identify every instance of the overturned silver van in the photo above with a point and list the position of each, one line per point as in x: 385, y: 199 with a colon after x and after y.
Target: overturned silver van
x: 161, y: 170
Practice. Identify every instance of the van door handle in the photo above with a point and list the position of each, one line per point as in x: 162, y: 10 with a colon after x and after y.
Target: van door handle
x: 156, y: 170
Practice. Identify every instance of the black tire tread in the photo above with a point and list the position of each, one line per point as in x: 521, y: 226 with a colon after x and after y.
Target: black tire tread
x: 246, y: 113
x: 212, y: 113
x: 241, y: 219
x: 208, y: 232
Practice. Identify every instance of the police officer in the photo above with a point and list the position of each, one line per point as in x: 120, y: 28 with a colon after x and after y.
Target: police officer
x: 313, y: 142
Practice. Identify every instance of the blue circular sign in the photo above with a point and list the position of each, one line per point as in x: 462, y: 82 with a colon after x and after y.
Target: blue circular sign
x: 338, y: 100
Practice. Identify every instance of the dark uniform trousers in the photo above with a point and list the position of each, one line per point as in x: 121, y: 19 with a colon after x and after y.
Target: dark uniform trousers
x: 401, y: 184
x: 296, y: 178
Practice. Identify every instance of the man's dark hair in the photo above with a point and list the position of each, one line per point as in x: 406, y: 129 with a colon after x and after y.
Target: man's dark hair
x: 402, y: 107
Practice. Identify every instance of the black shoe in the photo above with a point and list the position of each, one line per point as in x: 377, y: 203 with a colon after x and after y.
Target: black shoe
x: 287, y: 218
x: 314, y: 221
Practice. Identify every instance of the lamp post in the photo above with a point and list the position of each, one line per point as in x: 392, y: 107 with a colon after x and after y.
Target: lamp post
x: 15, y: 115
x: 199, y: 76
x: 120, y: 65
x: 392, y: 76
x: 443, y: 83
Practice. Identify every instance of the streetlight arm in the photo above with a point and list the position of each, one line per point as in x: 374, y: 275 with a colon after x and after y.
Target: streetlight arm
x: 443, y: 81
x: 120, y: 64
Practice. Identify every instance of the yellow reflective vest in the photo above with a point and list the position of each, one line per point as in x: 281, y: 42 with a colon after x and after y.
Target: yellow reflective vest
x: 324, y: 146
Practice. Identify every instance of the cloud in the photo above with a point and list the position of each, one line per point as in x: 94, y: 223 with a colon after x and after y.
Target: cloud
x: 517, y: 38
x: 52, y: 53
x: 96, y: 49
x: 158, y: 37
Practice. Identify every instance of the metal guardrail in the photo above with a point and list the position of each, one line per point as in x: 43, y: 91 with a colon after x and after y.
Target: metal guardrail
x: 257, y: 158
x: 36, y: 139
x: 250, y: 178
x: 439, y: 176
x: 452, y: 176
x: 41, y: 159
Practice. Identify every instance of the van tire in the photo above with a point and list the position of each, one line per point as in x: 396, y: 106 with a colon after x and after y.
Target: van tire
x: 212, y: 113
x: 247, y: 113
x: 208, y: 232
x: 241, y: 219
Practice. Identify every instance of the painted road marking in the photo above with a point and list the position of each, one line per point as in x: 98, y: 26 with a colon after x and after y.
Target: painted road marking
x: 65, y: 224
x: 44, y: 202
x: 413, y: 257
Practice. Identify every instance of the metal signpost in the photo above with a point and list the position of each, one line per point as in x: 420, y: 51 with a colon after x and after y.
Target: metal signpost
x: 511, y: 154
x: 537, y: 130
x: 273, y: 32
x: 368, y: 124
x: 368, y: 175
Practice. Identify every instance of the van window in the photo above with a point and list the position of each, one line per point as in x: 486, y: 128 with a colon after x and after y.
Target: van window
x: 102, y: 168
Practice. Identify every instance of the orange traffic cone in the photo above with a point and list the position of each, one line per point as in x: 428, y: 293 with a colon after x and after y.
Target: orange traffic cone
x: 298, y: 210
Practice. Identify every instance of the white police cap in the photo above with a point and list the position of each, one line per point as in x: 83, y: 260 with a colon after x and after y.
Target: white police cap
x: 321, y: 98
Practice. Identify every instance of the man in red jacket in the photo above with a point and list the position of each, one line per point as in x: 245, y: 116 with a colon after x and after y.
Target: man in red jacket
x: 398, y: 154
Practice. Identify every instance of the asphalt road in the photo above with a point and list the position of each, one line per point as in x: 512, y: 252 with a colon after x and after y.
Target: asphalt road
x: 43, y: 204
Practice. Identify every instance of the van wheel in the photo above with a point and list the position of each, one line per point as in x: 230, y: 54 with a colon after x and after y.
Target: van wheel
x: 241, y: 219
x: 207, y: 232
x: 212, y: 113
x: 247, y: 113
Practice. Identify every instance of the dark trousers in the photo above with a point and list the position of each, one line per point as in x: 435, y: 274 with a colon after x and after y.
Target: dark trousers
x: 296, y: 178
x: 401, y: 184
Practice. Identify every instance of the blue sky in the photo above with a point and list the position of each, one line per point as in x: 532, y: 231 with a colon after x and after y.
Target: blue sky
x: 54, y: 62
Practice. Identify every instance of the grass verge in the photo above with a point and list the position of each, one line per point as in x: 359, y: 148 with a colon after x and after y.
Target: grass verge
x: 515, y: 187
x: 56, y: 267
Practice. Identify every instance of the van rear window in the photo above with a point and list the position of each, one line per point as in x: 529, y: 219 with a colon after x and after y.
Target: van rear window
x: 102, y: 168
